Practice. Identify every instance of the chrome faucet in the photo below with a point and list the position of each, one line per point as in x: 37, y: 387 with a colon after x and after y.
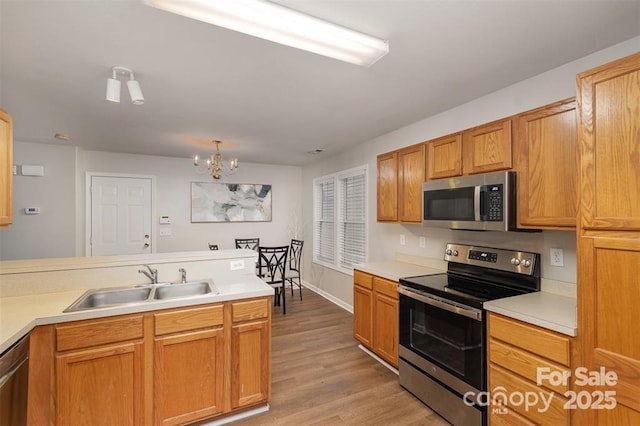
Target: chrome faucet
x: 152, y: 274
x: 183, y: 275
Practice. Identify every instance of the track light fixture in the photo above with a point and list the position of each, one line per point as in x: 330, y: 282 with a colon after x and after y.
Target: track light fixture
x: 113, y: 86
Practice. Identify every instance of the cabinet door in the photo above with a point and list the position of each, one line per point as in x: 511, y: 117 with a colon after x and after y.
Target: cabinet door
x: 444, y: 157
x: 363, y: 315
x: 6, y: 169
x: 609, y: 129
x: 101, y: 386
x: 387, y: 201
x: 487, y: 148
x: 546, y: 166
x: 250, y: 366
x: 608, y: 319
x: 410, y: 178
x: 189, y: 376
x: 385, y: 332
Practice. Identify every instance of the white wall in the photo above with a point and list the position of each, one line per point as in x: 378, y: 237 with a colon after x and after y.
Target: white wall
x: 551, y: 86
x: 52, y: 232
x: 173, y: 198
x: 59, y: 231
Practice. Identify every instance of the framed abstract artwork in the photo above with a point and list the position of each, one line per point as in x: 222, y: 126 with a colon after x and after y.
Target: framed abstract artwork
x: 230, y: 202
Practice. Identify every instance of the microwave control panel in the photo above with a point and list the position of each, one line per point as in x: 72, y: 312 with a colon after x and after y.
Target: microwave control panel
x: 494, y: 203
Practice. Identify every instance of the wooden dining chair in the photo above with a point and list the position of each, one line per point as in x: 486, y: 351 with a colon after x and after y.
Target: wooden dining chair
x: 292, y: 275
x: 273, y: 261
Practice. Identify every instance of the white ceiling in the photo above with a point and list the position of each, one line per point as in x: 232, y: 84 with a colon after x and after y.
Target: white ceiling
x: 270, y: 103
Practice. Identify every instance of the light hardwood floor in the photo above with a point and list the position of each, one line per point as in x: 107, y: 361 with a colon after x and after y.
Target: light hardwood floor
x: 321, y: 377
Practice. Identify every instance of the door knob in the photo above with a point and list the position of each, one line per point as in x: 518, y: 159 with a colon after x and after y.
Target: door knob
x: 146, y: 245
x: 146, y: 235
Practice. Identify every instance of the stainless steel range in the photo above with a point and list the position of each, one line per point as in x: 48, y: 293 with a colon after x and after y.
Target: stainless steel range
x: 443, y: 325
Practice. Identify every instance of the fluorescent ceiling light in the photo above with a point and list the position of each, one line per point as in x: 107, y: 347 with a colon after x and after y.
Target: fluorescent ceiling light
x: 282, y: 25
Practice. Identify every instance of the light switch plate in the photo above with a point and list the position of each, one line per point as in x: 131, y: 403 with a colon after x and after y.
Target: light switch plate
x: 165, y: 232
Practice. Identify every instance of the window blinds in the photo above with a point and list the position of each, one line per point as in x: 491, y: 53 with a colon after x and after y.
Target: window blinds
x: 340, y: 234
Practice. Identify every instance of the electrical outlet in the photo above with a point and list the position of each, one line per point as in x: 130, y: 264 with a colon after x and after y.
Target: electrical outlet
x: 235, y: 265
x: 423, y: 242
x: 556, y: 257
x: 403, y: 241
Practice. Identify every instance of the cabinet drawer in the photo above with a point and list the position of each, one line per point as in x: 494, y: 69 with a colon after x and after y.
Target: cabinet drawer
x: 363, y: 279
x: 387, y: 287
x: 524, y: 363
x: 249, y: 310
x: 98, y: 332
x: 554, y: 414
x: 534, y: 339
x: 501, y: 416
x: 188, y: 319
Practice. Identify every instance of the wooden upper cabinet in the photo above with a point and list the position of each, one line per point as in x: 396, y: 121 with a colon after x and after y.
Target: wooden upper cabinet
x: 387, y: 193
x: 6, y: 169
x: 487, y: 148
x: 410, y: 178
x: 444, y: 157
x: 609, y: 128
x: 546, y: 165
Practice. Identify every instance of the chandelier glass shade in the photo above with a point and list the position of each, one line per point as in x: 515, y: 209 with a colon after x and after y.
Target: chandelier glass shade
x: 215, y: 164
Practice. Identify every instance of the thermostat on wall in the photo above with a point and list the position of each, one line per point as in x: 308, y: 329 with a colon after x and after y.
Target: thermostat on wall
x: 32, y: 210
x: 165, y: 220
x: 31, y: 170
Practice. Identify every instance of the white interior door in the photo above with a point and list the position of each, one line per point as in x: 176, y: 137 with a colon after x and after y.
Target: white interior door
x: 120, y: 215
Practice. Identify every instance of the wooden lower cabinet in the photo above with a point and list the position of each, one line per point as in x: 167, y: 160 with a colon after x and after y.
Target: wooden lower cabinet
x: 250, y: 353
x: 162, y: 367
x: 375, y: 315
x: 100, y: 386
x: 188, y: 365
x: 516, y: 350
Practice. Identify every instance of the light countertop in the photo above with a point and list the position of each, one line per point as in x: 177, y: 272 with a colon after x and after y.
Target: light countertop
x: 551, y: 311
x: 394, y: 270
x: 20, y: 314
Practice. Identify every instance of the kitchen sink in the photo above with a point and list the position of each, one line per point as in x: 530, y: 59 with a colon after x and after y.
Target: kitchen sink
x: 107, y: 297
x: 182, y: 290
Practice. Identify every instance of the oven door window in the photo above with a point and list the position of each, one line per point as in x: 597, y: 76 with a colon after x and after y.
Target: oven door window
x: 450, y: 340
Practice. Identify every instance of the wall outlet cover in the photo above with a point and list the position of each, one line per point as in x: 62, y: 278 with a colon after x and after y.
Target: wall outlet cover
x: 556, y: 257
x: 403, y: 240
x: 235, y: 265
x: 423, y: 242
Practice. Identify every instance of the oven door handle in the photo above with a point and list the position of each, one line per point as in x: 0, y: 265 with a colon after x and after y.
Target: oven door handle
x: 456, y: 309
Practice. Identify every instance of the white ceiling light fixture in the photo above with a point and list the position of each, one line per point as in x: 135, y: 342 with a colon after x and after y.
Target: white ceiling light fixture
x: 216, y: 167
x: 113, y: 86
x: 282, y: 25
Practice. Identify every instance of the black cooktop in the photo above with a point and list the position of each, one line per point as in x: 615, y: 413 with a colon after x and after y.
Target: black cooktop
x: 479, y: 274
x: 469, y: 292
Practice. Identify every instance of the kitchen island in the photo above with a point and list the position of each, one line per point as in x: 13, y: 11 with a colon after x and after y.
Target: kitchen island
x: 167, y: 361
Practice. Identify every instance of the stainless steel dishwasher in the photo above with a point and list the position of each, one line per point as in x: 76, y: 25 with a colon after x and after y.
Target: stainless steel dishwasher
x: 14, y: 377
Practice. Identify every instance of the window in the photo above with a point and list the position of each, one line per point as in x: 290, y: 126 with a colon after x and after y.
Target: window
x: 339, y: 224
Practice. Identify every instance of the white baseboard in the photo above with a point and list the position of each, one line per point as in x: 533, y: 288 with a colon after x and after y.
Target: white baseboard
x: 328, y: 296
x: 239, y: 416
x: 377, y: 358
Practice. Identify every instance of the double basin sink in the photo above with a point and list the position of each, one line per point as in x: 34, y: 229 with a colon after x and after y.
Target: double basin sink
x: 120, y: 296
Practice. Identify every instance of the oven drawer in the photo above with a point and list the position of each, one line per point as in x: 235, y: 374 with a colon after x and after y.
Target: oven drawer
x: 531, y: 338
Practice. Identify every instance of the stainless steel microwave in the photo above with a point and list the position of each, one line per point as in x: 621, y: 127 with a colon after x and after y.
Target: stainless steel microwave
x: 479, y: 202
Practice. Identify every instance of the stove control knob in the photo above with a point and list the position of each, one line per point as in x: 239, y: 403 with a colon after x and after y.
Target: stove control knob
x: 526, y: 263
x: 455, y: 252
x: 515, y: 261
x: 449, y: 252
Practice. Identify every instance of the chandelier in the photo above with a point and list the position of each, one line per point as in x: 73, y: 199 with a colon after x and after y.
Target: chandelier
x: 216, y: 167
